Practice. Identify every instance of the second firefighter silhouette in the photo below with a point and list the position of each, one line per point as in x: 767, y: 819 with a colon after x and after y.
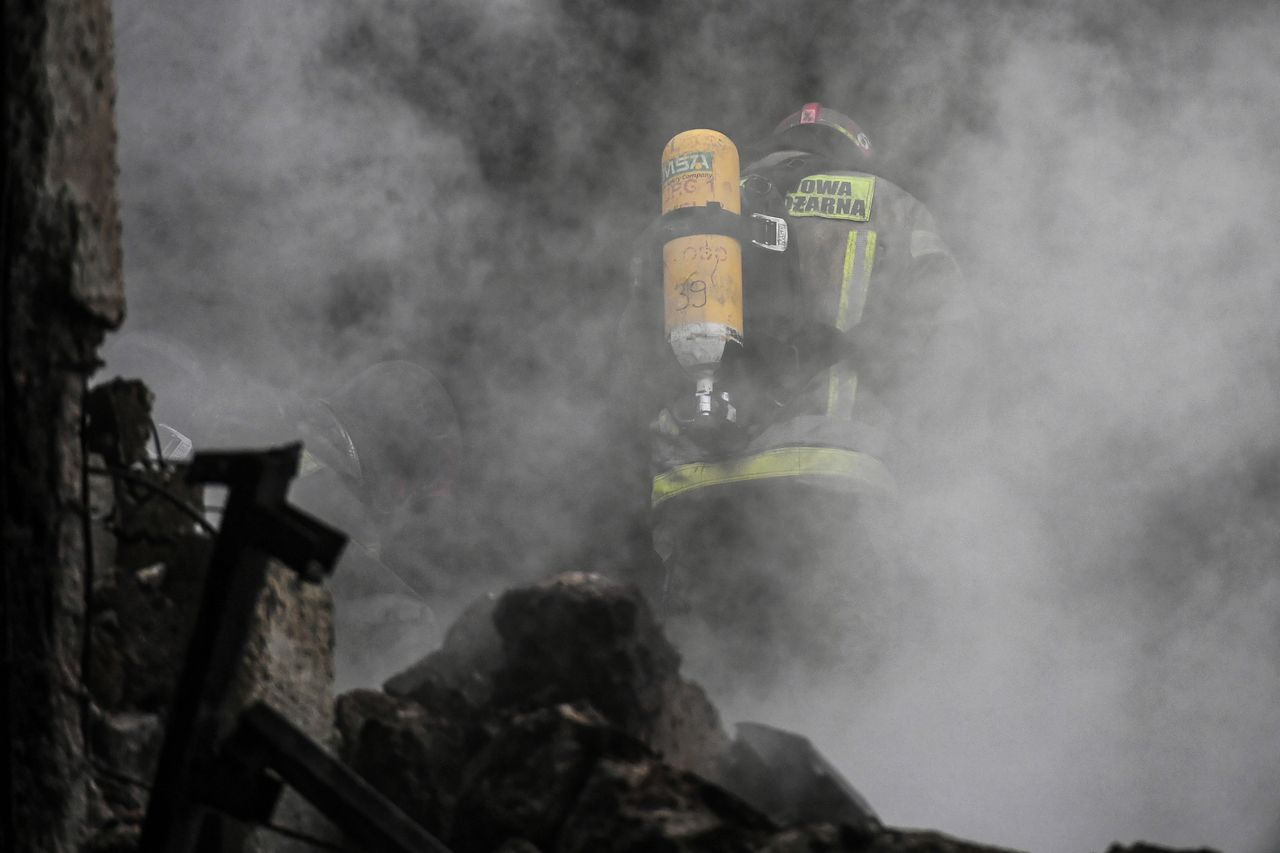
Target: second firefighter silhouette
x: 772, y: 485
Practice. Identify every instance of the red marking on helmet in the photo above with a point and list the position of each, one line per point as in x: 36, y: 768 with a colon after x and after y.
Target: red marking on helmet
x: 809, y: 113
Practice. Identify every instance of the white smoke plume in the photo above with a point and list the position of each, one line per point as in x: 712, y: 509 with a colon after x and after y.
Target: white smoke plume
x: 309, y: 187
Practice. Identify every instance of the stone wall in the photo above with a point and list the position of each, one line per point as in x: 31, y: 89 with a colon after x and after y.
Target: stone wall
x: 61, y: 291
x: 100, y: 581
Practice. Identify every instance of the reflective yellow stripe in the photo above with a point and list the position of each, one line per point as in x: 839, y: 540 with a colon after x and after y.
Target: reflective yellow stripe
x: 868, y: 260
x: 838, y: 385
x: 855, y: 471
x: 855, y: 281
x: 846, y: 279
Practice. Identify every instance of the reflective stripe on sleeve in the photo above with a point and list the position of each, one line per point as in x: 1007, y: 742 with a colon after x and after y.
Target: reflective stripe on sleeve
x: 846, y: 278
x: 859, y: 258
x: 841, y: 387
x: 855, y: 281
x: 847, y: 469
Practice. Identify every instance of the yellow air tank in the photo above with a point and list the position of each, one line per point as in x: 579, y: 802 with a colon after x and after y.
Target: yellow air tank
x: 701, y: 272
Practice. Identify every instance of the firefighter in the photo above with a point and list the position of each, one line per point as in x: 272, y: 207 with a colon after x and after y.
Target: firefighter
x: 390, y: 439
x: 775, y: 527
x: 381, y: 463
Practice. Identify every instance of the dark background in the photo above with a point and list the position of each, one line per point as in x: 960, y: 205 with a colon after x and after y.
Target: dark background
x: 308, y: 187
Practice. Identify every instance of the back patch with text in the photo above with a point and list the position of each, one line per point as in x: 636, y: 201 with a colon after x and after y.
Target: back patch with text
x: 833, y: 197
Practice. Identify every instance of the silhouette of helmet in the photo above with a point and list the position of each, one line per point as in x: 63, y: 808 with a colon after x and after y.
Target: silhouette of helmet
x: 820, y: 130
x: 392, y: 431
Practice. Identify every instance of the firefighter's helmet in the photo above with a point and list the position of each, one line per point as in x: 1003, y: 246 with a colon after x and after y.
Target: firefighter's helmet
x: 820, y: 130
x: 396, y: 431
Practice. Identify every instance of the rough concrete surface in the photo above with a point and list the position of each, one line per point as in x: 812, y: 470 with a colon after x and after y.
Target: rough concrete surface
x: 62, y: 289
x: 554, y: 718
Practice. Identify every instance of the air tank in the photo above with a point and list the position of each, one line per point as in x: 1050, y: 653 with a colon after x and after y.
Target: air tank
x: 702, y: 272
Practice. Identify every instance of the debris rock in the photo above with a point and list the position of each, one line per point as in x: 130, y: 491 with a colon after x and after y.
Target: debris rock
x: 687, y: 732
x: 582, y: 638
x: 414, y: 757
x: 528, y: 777
x: 140, y: 630
x: 458, y: 675
x: 288, y: 663
x: 127, y: 742
x: 554, y: 719
x: 780, y: 773
x: 288, y: 653
x: 643, y: 804
x: 119, y: 414
x: 577, y: 638
x: 148, y: 579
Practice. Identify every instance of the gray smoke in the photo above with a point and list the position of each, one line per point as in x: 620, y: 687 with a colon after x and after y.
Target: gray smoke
x: 1106, y: 544
x: 309, y: 187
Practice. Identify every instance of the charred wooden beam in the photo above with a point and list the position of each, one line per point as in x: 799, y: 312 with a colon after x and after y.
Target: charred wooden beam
x: 257, y: 525
x: 265, y: 742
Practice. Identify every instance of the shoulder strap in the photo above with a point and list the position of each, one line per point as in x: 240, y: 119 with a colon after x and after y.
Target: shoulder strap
x: 771, y: 279
x: 784, y: 169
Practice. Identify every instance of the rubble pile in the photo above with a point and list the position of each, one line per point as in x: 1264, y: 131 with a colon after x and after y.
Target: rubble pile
x: 554, y: 718
x: 151, y: 550
x: 148, y: 570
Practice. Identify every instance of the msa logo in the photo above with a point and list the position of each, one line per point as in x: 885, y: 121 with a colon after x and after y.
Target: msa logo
x: 699, y: 161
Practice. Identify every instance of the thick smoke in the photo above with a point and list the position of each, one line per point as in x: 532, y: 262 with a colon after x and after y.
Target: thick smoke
x: 309, y: 187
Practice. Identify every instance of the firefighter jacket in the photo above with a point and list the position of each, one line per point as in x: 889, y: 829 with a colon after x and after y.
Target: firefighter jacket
x: 837, y: 339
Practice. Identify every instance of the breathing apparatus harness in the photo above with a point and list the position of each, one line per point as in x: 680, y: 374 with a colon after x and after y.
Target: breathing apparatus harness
x: 791, y: 346
x: 781, y: 349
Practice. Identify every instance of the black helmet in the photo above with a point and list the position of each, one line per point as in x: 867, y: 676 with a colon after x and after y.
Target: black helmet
x: 819, y: 130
